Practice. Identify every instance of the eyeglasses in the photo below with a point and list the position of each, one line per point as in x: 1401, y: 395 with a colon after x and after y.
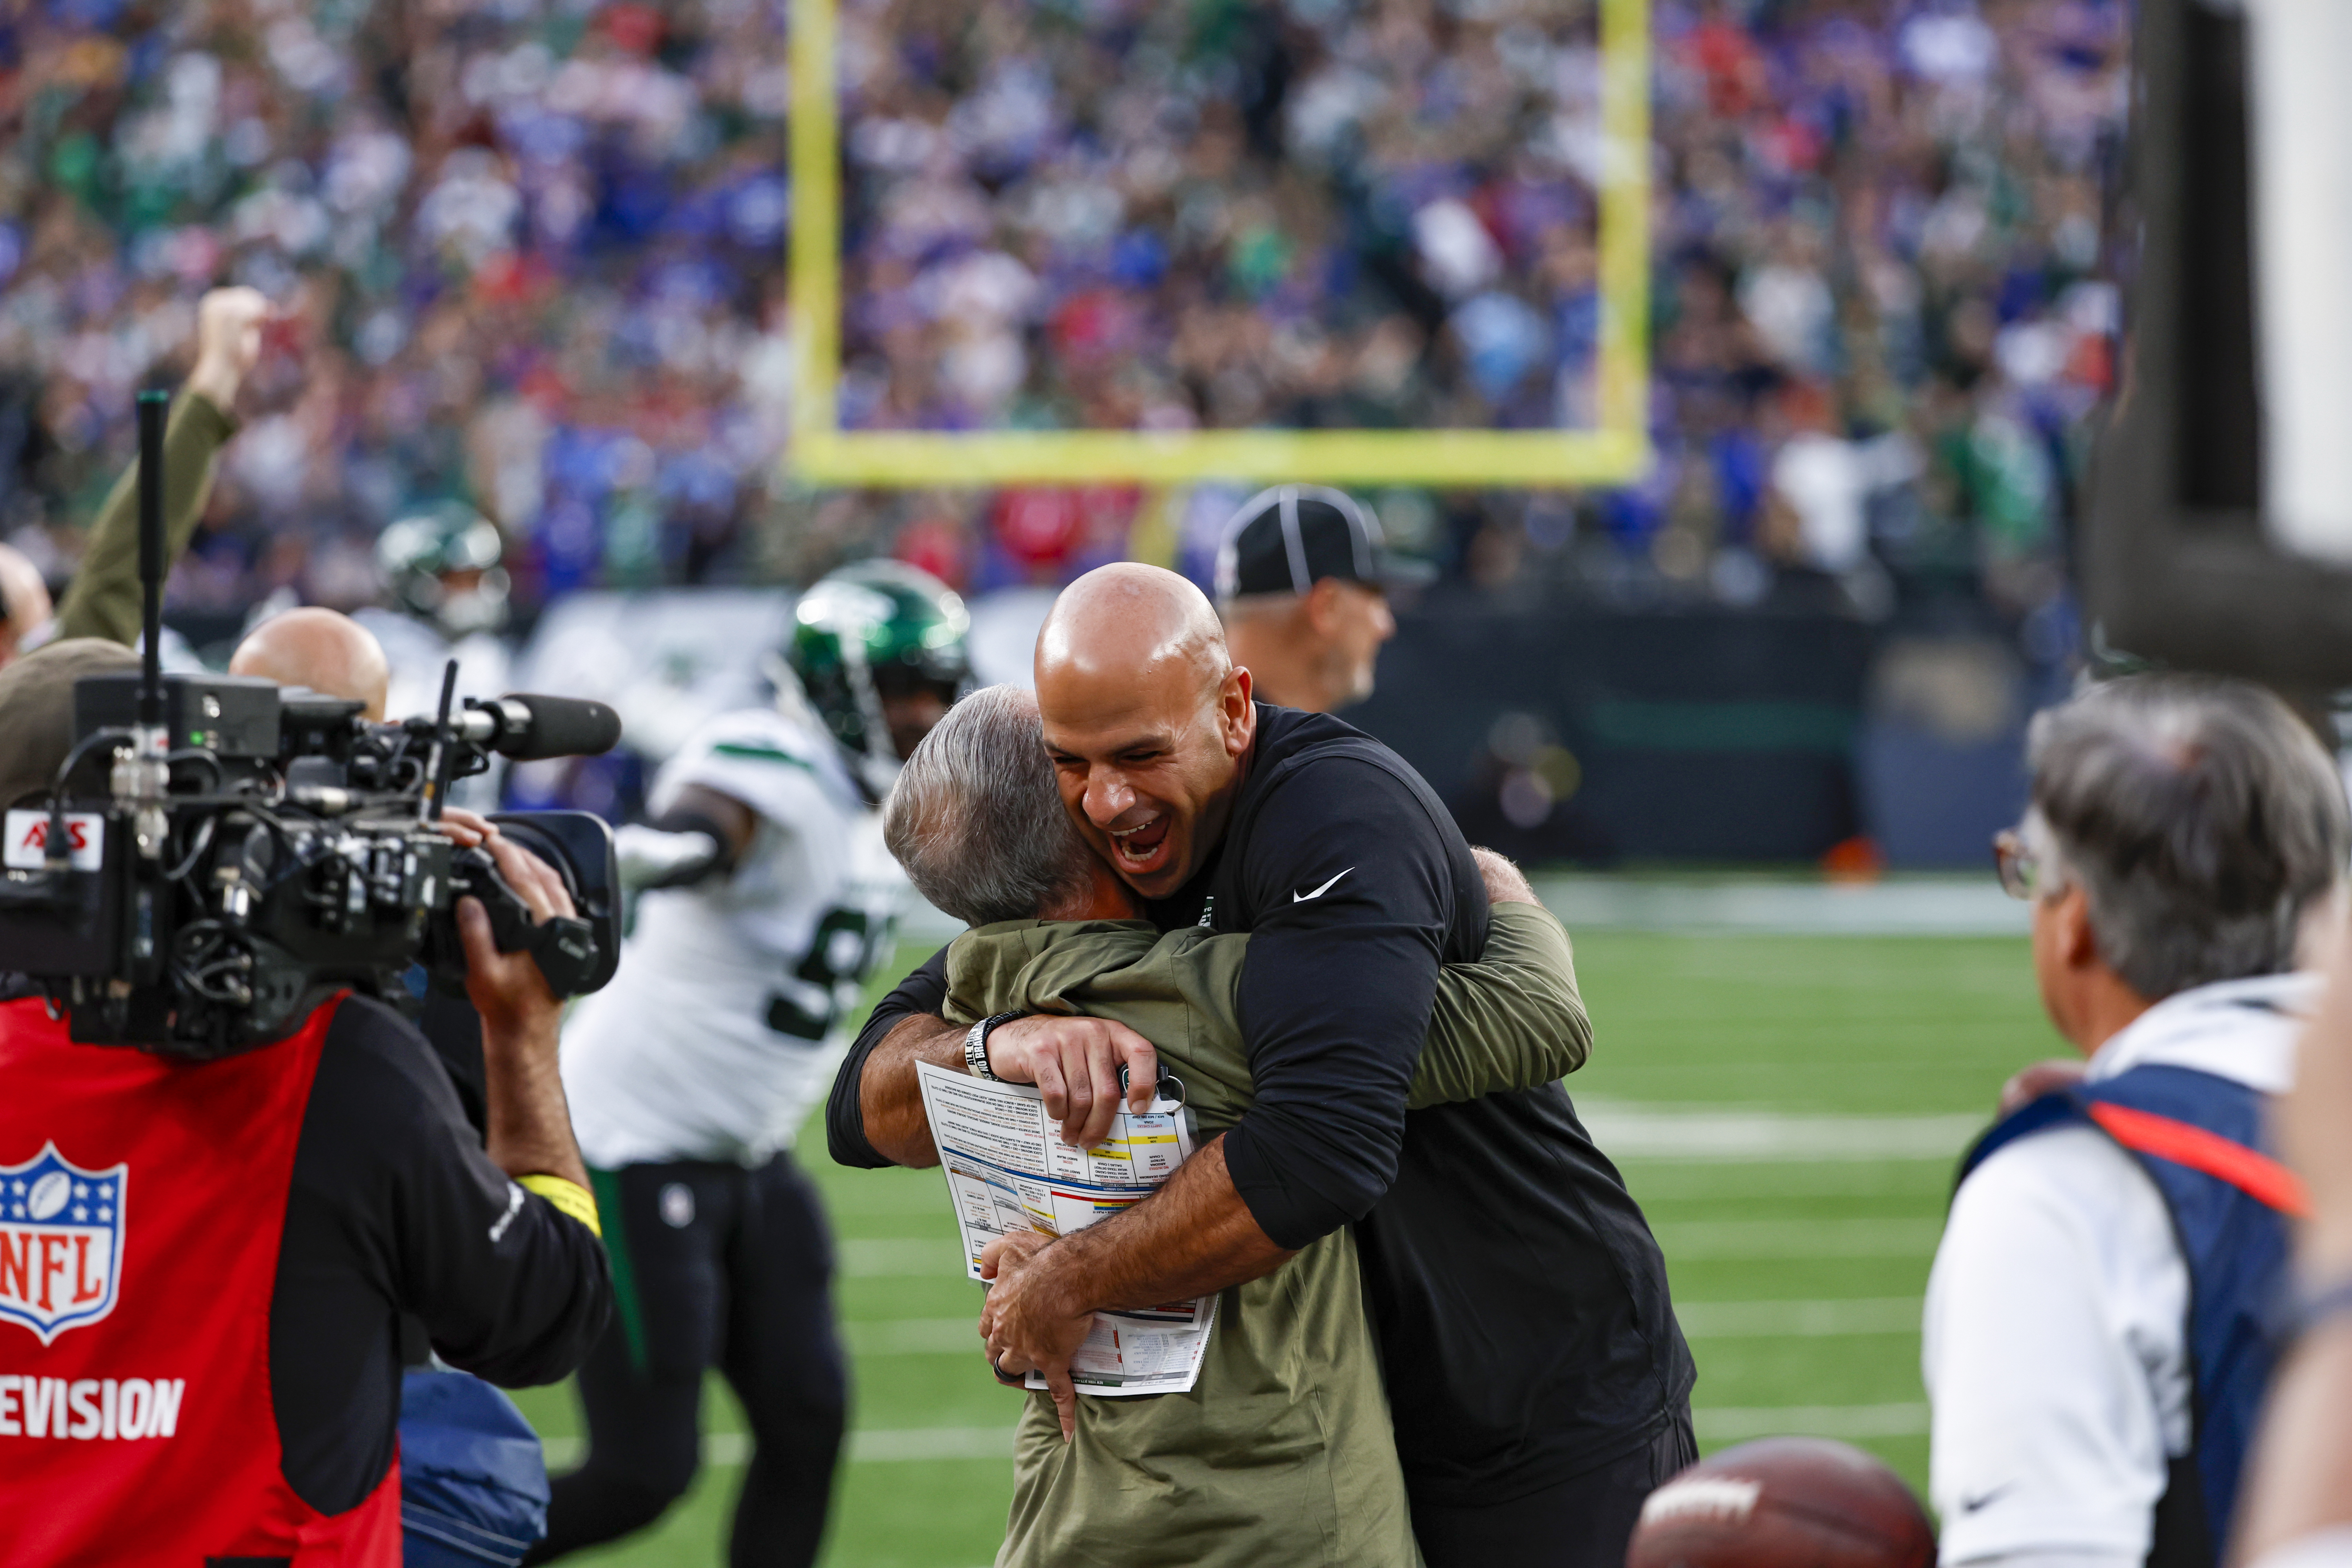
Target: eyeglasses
x: 2015, y: 863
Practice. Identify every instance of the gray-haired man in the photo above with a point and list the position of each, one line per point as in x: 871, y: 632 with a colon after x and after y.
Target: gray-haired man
x: 2097, y: 1336
x: 1283, y: 1451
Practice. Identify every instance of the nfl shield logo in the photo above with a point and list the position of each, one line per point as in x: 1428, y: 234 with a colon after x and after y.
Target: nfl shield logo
x: 61, y: 1242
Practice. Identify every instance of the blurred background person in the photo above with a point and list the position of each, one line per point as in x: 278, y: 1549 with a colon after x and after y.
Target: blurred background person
x: 768, y: 899
x: 1303, y: 579
x: 2096, y: 1343
x: 446, y: 598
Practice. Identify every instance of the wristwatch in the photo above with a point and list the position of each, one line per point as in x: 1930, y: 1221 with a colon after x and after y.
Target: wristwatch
x: 975, y: 1045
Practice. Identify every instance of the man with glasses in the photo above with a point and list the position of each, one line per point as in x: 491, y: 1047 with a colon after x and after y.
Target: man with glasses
x: 2097, y: 1338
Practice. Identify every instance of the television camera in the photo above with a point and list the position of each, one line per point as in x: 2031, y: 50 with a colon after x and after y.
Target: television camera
x: 219, y: 854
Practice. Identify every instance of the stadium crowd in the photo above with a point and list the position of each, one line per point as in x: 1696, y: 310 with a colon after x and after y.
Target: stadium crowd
x: 536, y: 254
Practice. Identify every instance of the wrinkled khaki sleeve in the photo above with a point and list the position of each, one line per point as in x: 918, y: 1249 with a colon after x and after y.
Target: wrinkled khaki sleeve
x: 103, y: 599
x: 1512, y: 1020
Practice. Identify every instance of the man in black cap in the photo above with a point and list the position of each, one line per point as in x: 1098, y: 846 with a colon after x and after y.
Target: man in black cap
x: 1302, y: 576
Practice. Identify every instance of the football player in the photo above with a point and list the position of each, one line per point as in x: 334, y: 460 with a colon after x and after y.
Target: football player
x: 447, y: 600
x: 769, y: 898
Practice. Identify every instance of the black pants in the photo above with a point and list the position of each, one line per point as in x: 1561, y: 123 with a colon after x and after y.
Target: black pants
x: 712, y: 1265
x: 1584, y: 1522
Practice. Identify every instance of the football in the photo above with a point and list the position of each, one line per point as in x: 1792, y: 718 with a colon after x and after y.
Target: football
x: 48, y: 1195
x: 1784, y: 1502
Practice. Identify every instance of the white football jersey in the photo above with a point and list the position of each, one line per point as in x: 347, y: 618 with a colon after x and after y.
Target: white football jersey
x: 726, y: 1020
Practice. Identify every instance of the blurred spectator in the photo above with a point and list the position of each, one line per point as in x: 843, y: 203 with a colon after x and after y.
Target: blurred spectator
x: 539, y: 253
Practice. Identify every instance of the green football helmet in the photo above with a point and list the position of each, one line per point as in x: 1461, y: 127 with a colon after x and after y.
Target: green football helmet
x: 873, y: 630
x: 442, y: 566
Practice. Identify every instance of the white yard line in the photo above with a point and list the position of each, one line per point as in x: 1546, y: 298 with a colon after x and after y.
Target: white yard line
x: 1700, y: 1321
x: 1629, y: 1129
x: 931, y: 1443
x: 1730, y: 1424
x: 1799, y: 1320
x: 915, y: 1336
x: 1962, y: 905
x: 724, y: 1450
x: 1899, y: 905
x: 897, y: 1258
x: 1716, y: 1238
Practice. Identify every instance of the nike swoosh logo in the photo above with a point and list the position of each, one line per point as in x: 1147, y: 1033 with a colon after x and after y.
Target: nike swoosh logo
x: 1302, y: 898
x: 1970, y: 1504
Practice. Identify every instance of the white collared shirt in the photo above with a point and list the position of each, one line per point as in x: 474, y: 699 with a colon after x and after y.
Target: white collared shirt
x: 2053, y: 1348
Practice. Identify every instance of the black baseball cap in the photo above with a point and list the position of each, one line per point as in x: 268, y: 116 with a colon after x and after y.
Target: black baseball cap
x: 1286, y: 539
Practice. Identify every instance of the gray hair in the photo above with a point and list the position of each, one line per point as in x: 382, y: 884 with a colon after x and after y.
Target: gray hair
x: 2199, y: 817
x: 975, y: 817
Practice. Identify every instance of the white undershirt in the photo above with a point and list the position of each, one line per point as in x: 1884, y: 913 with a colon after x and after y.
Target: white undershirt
x: 2053, y: 1348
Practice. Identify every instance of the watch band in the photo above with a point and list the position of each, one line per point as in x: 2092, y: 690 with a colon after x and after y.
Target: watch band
x: 975, y: 1045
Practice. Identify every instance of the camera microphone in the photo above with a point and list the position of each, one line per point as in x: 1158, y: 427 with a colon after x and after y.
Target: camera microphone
x: 528, y: 726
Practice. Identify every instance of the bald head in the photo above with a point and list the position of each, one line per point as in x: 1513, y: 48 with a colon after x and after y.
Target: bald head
x: 325, y: 651
x: 1128, y: 622
x: 1145, y: 720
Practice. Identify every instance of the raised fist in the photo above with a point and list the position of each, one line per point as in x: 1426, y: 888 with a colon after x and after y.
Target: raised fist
x: 228, y: 342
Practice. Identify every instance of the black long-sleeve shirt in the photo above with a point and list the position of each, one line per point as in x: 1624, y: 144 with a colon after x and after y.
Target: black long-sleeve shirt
x: 1521, y: 1302
x: 395, y: 1208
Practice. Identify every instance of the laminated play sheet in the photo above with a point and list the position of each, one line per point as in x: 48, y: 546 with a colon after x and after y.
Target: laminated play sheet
x: 1007, y: 1169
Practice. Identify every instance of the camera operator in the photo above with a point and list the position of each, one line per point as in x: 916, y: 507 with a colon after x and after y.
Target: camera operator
x: 103, y: 599
x: 331, y: 654
x: 210, y: 1260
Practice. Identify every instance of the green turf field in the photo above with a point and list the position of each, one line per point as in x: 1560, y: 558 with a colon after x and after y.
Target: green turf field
x: 1794, y: 1100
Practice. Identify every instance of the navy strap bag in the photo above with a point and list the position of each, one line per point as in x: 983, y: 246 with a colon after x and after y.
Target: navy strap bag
x: 472, y: 1479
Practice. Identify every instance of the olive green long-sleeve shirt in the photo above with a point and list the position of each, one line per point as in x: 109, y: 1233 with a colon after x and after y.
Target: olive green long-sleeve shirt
x: 102, y: 601
x: 1283, y: 1451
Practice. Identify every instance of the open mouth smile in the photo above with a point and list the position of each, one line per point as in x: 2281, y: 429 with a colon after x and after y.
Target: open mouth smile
x: 1141, y: 849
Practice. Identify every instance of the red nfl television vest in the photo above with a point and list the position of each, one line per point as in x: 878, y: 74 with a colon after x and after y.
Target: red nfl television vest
x: 142, y: 1201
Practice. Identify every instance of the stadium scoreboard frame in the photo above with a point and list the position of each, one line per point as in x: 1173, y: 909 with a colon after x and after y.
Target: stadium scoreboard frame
x: 1614, y: 450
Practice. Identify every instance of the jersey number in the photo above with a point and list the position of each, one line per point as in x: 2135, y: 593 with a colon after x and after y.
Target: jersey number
x: 839, y: 950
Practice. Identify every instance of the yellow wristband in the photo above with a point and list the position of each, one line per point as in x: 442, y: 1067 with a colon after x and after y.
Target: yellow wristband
x: 569, y: 1198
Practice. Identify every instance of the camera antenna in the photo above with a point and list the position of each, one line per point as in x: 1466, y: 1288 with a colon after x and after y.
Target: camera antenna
x: 443, y: 756
x: 144, y: 778
x: 154, y: 404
